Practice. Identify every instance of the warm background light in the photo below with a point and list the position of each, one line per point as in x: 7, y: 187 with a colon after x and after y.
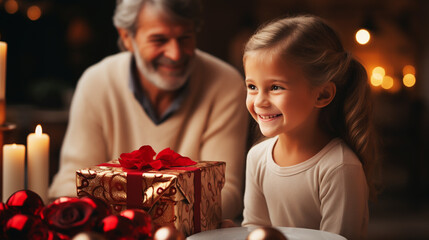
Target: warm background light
x: 409, y: 80
x: 408, y: 69
x: 377, y: 76
x: 379, y: 70
x: 11, y: 6
x: 387, y: 82
x: 362, y: 36
x: 376, y: 80
x: 34, y: 13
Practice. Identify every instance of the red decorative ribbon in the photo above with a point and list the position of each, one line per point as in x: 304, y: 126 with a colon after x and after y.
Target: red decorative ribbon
x: 135, y: 189
x: 134, y: 185
x: 109, y: 165
x: 197, y: 196
x: 143, y: 158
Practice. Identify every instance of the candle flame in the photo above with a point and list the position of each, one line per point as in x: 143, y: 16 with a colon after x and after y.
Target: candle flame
x: 14, y: 145
x: 39, y: 130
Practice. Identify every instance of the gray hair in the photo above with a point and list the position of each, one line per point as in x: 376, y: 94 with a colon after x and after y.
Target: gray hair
x: 127, y: 11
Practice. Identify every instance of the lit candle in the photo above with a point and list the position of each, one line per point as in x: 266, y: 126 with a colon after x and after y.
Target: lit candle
x: 38, y: 163
x: 3, y: 52
x: 13, y: 169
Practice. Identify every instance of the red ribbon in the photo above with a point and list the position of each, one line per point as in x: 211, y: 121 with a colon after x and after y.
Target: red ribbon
x: 109, y: 165
x: 134, y: 185
x: 135, y: 189
x: 143, y: 158
x: 197, y: 196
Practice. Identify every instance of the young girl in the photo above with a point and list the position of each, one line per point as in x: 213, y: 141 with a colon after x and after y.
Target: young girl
x: 311, y: 99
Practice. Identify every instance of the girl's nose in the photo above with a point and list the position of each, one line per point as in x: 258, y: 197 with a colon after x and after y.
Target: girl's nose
x: 261, y: 100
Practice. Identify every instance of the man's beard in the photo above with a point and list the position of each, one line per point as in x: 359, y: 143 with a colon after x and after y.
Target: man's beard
x: 147, y: 69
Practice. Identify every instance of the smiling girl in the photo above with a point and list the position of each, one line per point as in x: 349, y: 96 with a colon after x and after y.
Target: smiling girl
x: 311, y: 99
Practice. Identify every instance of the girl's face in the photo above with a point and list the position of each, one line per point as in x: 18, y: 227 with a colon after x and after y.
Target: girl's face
x: 279, y: 97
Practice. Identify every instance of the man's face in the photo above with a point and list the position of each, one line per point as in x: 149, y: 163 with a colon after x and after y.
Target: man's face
x: 164, y: 49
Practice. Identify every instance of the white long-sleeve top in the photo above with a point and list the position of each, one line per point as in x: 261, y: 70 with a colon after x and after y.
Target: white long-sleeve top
x: 106, y: 120
x: 327, y: 192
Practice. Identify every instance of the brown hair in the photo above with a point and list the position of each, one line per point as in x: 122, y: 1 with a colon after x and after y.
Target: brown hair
x: 309, y: 42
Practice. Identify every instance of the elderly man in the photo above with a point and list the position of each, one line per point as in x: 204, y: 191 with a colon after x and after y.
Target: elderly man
x: 161, y: 92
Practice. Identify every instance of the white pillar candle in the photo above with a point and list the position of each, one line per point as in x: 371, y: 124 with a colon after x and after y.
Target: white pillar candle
x: 38, y: 163
x: 3, y: 53
x: 13, y: 169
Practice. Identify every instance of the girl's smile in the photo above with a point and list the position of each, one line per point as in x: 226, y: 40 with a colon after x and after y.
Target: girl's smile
x: 269, y: 117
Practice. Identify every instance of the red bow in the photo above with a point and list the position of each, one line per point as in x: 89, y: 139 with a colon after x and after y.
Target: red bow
x: 143, y: 158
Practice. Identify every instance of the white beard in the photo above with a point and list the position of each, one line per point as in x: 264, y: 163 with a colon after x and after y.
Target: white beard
x: 149, y: 72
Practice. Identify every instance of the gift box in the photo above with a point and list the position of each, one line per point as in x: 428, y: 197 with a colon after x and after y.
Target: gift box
x: 187, y: 197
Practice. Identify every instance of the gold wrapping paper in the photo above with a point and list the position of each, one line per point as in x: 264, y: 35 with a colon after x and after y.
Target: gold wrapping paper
x: 168, y: 194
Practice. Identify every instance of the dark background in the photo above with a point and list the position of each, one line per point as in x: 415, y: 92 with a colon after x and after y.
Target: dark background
x: 47, y: 56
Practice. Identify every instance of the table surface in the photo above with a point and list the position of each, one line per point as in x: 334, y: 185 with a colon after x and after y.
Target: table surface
x: 240, y: 233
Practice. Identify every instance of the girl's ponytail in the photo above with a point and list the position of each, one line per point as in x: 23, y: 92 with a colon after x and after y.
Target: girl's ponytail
x: 358, y: 127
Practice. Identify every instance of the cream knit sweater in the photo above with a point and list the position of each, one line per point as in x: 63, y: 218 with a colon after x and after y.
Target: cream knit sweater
x: 106, y: 120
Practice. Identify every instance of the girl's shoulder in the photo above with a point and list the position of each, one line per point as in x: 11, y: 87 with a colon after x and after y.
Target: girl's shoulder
x: 263, y: 145
x: 261, y: 150
x: 337, y: 154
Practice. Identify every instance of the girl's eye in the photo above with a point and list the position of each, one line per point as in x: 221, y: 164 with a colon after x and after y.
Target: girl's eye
x: 251, y: 87
x: 276, y: 87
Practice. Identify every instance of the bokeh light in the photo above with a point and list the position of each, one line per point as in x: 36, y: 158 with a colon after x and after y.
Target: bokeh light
x: 79, y: 32
x: 408, y: 69
x: 379, y: 70
x: 409, y: 80
x: 11, y: 6
x: 363, y: 36
x: 376, y: 79
x: 377, y: 76
x: 34, y: 12
x: 387, y: 82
